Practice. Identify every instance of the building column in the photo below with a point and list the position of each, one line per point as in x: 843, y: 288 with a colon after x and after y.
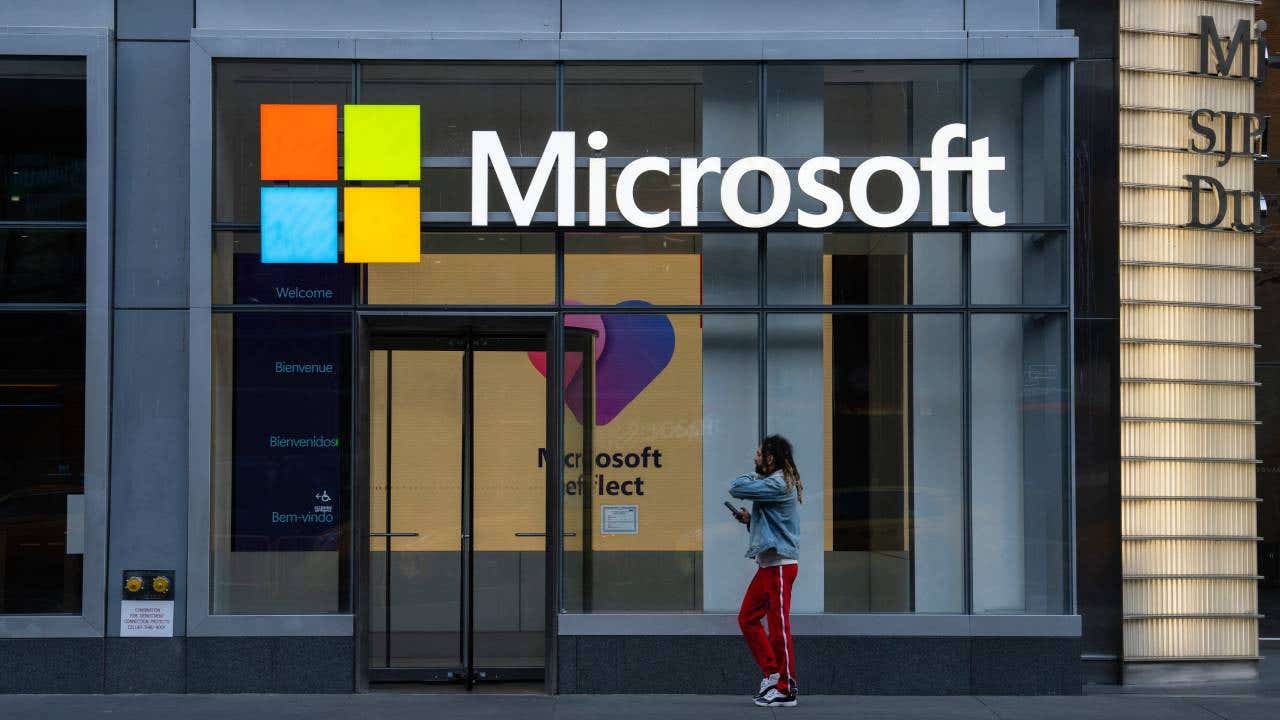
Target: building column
x: 1187, y: 396
x: 148, y: 487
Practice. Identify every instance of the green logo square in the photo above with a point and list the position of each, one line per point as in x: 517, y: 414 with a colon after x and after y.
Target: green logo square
x: 382, y: 142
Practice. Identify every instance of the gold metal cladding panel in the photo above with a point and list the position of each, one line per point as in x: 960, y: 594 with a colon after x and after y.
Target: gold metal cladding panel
x: 1186, y: 439
x: 1180, y: 400
x: 1233, y: 518
x: 1144, y: 89
x: 1181, y: 16
x: 1169, y: 52
x: 1185, y: 245
x: 1153, y: 128
x: 1190, y: 596
x: 1159, y: 167
x: 1163, y: 478
x: 1183, y: 638
x: 1188, y: 324
x: 1170, y: 206
x: 1188, y: 557
x: 1218, y: 287
x: 1157, y: 129
x: 1230, y: 325
x: 1185, y: 362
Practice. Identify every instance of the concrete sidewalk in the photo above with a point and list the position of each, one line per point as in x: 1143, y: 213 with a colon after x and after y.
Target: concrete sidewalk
x: 446, y: 706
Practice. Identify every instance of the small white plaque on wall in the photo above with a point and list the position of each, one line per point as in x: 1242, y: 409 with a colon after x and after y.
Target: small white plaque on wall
x: 146, y: 618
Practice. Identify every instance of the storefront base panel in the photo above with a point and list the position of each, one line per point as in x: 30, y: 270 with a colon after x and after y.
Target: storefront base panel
x: 53, y: 665
x: 177, y: 665
x: 270, y: 664
x: 1147, y: 674
x: 835, y: 665
x: 146, y: 665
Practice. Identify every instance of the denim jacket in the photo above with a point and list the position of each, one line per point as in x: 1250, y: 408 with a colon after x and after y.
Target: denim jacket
x: 775, y: 519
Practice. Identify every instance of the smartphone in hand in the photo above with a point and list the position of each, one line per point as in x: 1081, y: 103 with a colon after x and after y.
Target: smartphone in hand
x: 734, y: 511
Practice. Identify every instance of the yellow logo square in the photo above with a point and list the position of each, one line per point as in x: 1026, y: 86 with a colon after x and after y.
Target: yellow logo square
x: 382, y: 224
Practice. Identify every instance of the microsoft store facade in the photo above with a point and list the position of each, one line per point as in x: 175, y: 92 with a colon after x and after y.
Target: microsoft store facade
x: 419, y: 343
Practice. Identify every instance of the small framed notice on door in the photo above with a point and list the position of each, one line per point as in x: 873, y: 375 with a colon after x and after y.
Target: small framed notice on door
x: 619, y: 519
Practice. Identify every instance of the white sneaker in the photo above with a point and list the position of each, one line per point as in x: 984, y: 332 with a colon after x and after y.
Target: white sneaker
x: 774, y: 698
x: 768, y: 682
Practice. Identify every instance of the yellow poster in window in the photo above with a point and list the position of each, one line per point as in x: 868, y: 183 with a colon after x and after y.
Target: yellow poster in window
x: 647, y: 437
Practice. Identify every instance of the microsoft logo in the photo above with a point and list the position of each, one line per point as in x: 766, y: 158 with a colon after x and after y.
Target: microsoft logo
x: 382, y: 153
x: 381, y: 147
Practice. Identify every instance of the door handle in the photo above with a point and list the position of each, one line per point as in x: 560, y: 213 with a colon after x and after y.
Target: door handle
x: 542, y: 534
x: 393, y: 534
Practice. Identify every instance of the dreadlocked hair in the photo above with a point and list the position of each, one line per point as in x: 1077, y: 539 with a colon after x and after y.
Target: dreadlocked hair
x: 776, y: 452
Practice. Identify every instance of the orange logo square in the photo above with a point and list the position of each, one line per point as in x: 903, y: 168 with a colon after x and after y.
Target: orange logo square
x: 299, y: 142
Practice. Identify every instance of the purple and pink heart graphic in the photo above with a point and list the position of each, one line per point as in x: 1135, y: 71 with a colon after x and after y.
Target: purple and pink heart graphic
x: 630, y: 352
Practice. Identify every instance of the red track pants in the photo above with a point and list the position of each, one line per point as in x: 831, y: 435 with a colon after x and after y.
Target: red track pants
x: 769, y: 595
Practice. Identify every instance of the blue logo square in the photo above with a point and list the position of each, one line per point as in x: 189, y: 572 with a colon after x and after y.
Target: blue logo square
x: 299, y: 224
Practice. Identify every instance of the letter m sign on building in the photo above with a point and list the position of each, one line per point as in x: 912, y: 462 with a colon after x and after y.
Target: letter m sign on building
x: 1241, y: 41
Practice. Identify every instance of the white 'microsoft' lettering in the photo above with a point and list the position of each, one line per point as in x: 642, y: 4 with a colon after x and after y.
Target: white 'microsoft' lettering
x: 487, y: 152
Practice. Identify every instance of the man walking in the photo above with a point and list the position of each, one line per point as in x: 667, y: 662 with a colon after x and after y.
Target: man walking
x: 774, y: 524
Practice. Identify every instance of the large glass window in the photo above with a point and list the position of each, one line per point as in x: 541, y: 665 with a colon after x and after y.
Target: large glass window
x: 41, y: 265
x: 43, y: 141
x: 1021, y: 107
x: 921, y: 372
x: 494, y: 268
x: 1019, y: 268
x: 1019, y: 419
x: 661, y: 268
x: 865, y: 268
x: 660, y: 414
x: 874, y: 406
x: 516, y: 101
x: 853, y: 111
x: 1265, y: 252
x: 671, y: 111
x: 41, y: 461
x: 239, y: 89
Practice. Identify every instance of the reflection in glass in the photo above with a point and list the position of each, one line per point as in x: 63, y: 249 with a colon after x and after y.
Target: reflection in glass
x: 239, y: 88
x: 661, y: 268
x: 669, y: 111
x: 449, y: 190
x: 672, y: 422
x: 515, y: 101
x: 42, y: 139
x: 510, y: 268
x: 878, y: 109
x: 1018, y: 268
x: 418, y: 397
x: 240, y: 277
x: 437, y: 506
x: 1018, y: 463
x: 857, y: 110
x: 1023, y: 110
x: 864, y: 268
x: 873, y: 405
x: 280, y: 496
x: 41, y: 462
x: 42, y: 265
x: 1268, y: 490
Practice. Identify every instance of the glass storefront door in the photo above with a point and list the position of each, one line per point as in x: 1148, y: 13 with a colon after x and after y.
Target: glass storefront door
x: 457, y: 524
